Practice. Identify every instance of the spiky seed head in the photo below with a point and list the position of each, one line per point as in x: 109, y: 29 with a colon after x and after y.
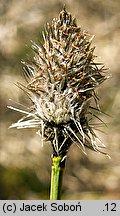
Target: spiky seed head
x: 62, y: 79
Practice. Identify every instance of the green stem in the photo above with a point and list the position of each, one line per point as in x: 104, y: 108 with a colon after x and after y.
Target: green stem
x: 56, y: 178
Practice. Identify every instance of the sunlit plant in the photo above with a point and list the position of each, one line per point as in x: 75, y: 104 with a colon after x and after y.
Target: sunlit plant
x: 61, y: 83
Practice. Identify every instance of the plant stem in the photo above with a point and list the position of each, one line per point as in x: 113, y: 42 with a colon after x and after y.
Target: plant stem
x: 56, y: 178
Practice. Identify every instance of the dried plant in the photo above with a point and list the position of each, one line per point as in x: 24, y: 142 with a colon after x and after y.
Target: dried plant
x: 62, y: 80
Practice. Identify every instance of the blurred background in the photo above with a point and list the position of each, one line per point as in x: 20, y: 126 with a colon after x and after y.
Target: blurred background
x: 24, y: 164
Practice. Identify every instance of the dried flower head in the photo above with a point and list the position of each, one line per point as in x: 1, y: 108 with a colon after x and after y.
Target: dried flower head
x: 62, y: 79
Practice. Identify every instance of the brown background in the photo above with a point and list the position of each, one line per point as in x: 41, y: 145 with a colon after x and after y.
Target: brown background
x: 24, y: 164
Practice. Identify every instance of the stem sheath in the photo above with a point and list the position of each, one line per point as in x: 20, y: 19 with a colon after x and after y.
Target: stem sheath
x: 56, y: 178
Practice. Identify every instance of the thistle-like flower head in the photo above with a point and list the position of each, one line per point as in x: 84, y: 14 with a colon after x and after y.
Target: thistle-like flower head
x: 62, y: 79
